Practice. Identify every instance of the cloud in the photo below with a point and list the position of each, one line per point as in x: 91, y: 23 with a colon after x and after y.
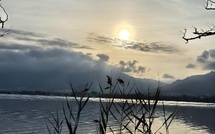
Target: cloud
x: 20, y: 33
x: 103, y: 57
x: 93, y: 37
x: 207, y: 59
x: 16, y: 46
x: 41, y: 68
x: 28, y: 66
x: 168, y: 76
x: 131, y: 66
x: 42, y: 40
x: 212, y: 53
x: 38, y: 62
x: 154, y: 47
x: 203, y: 57
x: 190, y: 65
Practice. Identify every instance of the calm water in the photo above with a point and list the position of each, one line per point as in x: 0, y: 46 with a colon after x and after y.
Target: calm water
x: 24, y: 114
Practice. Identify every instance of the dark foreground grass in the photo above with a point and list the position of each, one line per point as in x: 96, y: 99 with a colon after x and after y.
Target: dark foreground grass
x: 134, y: 116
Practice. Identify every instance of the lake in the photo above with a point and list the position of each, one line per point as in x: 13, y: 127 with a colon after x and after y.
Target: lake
x: 26, y: 114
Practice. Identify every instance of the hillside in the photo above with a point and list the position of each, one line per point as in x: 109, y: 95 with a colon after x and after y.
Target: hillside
x: 197, y: 85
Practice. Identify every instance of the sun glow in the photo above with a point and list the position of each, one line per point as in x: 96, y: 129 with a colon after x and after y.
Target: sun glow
x: 124, y: 34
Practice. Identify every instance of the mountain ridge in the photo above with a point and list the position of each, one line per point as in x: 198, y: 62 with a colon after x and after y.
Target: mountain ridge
x: 196, y: 85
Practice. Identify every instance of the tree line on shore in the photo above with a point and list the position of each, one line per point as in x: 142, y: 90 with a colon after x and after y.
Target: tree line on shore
x: 210, y: 99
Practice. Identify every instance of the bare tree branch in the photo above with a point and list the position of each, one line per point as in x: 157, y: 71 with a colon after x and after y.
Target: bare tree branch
x: 209, y: 5
x: 198, y: 34
x: 3, y: 21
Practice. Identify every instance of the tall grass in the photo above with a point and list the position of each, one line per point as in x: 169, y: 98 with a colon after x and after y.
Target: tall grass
x: 133, y: 116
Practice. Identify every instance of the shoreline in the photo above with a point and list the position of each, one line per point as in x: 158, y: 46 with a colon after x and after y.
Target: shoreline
x: 183, y: 98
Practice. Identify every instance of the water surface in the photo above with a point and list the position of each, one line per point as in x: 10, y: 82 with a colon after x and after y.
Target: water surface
x: 26, y: 114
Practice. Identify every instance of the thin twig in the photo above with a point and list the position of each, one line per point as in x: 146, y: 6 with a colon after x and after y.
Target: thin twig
x: 3, y: 21
x: 198, y: 34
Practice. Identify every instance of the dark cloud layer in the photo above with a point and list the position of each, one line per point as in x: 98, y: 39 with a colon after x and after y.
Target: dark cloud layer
x: 34, y: 63
x: 41, y: 69
x: 203, y: 57
x: 155, y: 47
x: 207, y: 59
x: 42, y: 40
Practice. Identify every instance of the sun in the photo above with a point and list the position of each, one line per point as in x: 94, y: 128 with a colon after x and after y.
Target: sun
x: 124, y: 34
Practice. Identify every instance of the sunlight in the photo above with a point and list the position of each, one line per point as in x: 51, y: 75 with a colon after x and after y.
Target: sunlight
x: 124, y: 34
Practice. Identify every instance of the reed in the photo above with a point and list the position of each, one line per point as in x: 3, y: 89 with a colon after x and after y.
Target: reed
x: 56, y: 123
x: 134, y: 116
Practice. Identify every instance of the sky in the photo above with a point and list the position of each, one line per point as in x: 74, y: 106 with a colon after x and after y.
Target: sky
x: 54, y: 41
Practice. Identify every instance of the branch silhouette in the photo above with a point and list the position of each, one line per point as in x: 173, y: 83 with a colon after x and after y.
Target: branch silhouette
x: 209, y: 4
x: 3, y: 21
x: 198, y: 34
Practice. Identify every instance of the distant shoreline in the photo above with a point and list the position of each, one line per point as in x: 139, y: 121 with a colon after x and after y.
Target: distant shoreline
x: 130, y: 96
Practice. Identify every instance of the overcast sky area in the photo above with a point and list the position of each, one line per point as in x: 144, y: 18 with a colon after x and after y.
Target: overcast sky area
x: 54, y: 41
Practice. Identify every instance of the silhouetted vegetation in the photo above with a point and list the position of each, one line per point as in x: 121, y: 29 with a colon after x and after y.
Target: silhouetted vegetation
x: 198, y: 34
x: 132, y: 115
x: 3, y: 20
x: 209, y: 99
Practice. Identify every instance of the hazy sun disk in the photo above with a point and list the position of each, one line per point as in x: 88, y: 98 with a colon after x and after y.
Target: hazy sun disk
x: 124, y: 34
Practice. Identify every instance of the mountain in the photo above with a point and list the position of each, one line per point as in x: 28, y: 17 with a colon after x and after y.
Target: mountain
x: 148, y: 84
x: 197, y: 85
x: 143, y: 85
